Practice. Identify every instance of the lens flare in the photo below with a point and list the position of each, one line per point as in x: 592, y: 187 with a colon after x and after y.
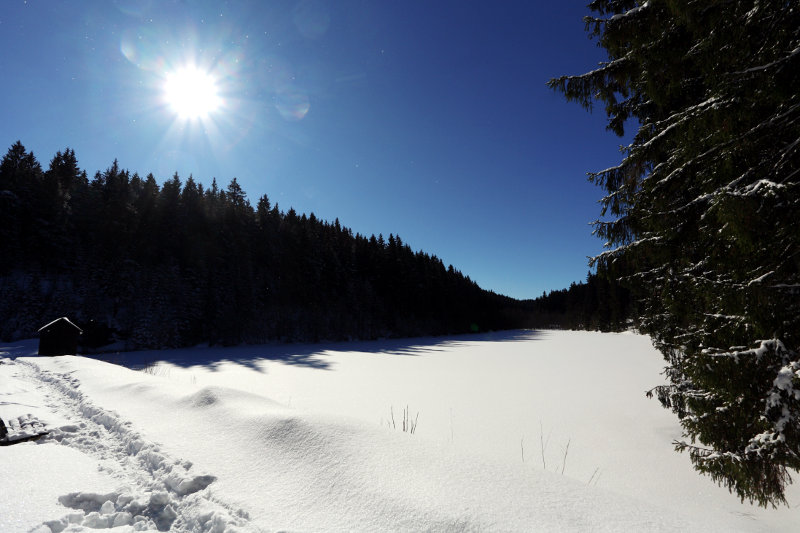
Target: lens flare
x: 292, y: 105
x: 191, y: 93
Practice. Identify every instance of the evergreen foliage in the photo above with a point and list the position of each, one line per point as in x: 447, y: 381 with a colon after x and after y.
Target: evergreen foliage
x: 701, y: 217
x: 179, y: 264
x: 599, y: 304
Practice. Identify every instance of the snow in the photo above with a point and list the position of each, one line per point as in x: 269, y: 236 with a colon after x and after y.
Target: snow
x: 63, y: 318
x: 760, y: 278
x: 34, y: 476
x: 301, y: 438
x: 628, y: 13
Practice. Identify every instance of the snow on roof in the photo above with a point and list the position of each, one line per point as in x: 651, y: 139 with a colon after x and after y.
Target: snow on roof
x: 65, y: 319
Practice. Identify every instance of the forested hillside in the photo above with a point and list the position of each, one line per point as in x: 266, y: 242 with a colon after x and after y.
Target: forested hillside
x: 177, y: 264
x: 599, y: 304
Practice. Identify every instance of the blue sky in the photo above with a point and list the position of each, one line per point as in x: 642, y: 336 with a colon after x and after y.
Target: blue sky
x: 429, y: 120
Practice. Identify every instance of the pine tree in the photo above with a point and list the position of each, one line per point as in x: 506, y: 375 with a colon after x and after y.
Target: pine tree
x: 21, y: 225
x: 704, y: 212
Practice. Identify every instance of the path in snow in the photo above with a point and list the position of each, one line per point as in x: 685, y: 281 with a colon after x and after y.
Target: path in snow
x: 158, y: 492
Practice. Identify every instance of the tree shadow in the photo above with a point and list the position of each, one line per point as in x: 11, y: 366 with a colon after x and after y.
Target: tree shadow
x: 16, y: 403
x: 320, y: 356
x: 23, y: 348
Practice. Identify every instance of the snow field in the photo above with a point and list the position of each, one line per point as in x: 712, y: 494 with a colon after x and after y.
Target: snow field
x: 499, y: 396
x: 271, y: 438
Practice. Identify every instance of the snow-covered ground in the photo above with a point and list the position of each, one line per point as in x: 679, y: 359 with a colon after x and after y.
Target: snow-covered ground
x: 515, y: 431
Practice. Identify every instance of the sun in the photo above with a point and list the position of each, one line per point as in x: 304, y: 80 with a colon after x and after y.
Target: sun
x: 191, y: 93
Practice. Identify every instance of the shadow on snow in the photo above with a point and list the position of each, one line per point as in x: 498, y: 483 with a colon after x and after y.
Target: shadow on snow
x: 320, y: 356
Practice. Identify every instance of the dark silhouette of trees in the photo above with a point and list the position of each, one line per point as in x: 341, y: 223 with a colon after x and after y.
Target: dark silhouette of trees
x: 599, y: 304
x: 177, y: 264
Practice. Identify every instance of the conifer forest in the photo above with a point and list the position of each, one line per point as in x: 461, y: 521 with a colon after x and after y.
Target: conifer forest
x: 176, y: 264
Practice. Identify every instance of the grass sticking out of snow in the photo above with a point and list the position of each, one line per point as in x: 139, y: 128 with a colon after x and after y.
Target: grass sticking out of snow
x: 408, y: 425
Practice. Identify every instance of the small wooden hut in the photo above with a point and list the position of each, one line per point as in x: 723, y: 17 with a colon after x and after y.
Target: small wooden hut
x: 59, y: 337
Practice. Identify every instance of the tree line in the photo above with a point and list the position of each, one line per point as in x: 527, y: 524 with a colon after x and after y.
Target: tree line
x: 176, y: 264
x: 600, y: 303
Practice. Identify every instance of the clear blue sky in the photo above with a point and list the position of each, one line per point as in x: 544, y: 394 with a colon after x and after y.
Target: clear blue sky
x: 429, y: 120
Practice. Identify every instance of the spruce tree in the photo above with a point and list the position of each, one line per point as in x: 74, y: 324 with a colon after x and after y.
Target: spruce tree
x: 702, y: 217
x: 21, y: 225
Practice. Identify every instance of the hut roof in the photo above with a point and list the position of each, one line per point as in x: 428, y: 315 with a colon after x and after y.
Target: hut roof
x: 64, y: 320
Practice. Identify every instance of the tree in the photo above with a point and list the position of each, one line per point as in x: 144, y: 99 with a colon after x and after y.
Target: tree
x: 701, y: 218
x: 59, y: 183
x: 21, y: 180
x: 65, y: 172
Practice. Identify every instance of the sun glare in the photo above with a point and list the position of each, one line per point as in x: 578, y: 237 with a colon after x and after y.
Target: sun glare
x: 191, y: 93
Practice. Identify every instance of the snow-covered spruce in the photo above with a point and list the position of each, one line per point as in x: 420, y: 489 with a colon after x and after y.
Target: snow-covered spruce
x: 159, y: 492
